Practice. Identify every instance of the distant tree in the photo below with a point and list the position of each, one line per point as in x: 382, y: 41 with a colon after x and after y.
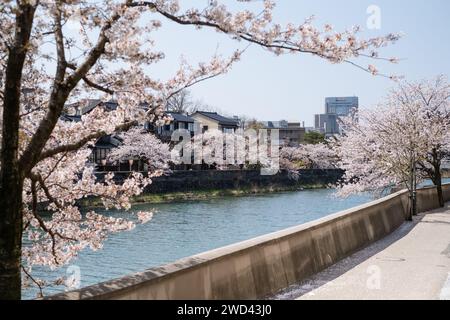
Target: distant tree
x: 314, y: 137
x: 254, y: 124
x: 180, y: 102
x: 199, y: 105
x: 399, y: 143
x: 139, y: 145
x: 310, y: 156
x: 319, y: 156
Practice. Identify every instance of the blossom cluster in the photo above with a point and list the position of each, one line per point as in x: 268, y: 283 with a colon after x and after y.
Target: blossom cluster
x: 409, y: 130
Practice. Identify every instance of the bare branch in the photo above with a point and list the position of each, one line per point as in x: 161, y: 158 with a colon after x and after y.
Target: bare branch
x: 41, y: 292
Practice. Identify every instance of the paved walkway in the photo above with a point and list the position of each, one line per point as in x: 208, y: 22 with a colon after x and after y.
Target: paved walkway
x: 411, y: 263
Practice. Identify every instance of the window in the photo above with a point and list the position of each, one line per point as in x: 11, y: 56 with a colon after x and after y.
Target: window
x: 181, y: 125
x: 331, y: 109
x: 101, y: 154
x: 172, y: 127
x: 228, y: 130
x: 191, y: 127
x: 205, y: 128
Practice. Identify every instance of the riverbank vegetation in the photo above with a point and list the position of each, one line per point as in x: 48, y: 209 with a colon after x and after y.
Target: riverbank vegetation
x: 199, y: 195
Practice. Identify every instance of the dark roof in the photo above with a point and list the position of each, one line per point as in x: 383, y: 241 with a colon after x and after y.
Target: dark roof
x: 180, y: 117
x: 224, y: 121
x: 86, y: 106
x: 107, y: 142
x: 91, y: 104
x: 66, y: 117
x: 111, y: 105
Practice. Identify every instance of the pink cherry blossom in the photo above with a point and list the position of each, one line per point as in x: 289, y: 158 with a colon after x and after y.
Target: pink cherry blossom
x: 56, y: 53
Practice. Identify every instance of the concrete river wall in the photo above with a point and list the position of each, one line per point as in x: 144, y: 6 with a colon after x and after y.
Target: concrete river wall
x: 262, y: 266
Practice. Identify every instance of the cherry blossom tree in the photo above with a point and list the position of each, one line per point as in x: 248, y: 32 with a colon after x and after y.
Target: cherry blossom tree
x: 309, y: 156
x: 218, y: 149
x: 377, y: 150
x: 53, y: 52
x: 140, y: 145
x: 399, y: 143
x: 433, y: 96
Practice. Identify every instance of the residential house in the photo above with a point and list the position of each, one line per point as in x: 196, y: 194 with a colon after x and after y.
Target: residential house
x: 201, y: 120
x: 180, y: 121
x: 103, y: 145
x: 101, y: 150
x: 85, y: 106
x: 214, y: 121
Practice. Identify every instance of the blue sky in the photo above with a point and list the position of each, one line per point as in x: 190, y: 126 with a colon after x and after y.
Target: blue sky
x: 294, y: 87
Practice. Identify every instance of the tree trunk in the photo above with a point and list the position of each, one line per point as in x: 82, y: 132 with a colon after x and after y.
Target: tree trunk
x: 10, y: 236
x: 438, y: 184
x: 11, y: 175
x: 437, y: 177
x: 11, y: 183
x: 411, y: 206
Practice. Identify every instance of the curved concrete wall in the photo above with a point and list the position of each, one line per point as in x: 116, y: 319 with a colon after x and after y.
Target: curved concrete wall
x: 262, y: 266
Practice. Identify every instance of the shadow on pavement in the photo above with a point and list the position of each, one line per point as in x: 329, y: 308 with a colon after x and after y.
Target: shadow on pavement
x: 328, y: 275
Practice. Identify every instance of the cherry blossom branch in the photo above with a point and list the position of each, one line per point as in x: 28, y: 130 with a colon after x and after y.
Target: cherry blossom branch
x: 35, y: 178
x: 60, y: 50
x: 30, y: 112
x: 39, y: 219
x: 36, y: 282
x: 85, y: 191
x: 59, y: 95
x: 278, y: 45
x: 77, y: 145
x: 55, y: 166
x: 199, y: 79
x: 91, y: 83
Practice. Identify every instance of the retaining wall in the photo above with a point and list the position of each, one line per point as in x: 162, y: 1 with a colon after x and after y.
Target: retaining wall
x: 262, y: 266
x: 446, y: 173
x: 185, y: 181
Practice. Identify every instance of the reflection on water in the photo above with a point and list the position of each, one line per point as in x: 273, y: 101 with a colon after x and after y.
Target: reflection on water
x: 182, y: 229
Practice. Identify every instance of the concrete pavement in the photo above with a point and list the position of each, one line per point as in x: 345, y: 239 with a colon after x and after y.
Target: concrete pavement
x: 411, y: 263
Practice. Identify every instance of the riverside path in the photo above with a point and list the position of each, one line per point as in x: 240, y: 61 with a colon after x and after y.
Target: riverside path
x: 411, y: 263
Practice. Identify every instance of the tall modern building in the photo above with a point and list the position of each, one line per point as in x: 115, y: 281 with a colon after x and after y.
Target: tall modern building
x: 335, y: 107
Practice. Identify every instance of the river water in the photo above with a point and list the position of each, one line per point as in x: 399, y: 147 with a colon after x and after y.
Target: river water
x: 182, y: 229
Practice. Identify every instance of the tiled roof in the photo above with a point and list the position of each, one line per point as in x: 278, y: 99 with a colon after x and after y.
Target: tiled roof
x: 220, y: 119
x: 66, y: 117
x: 108, y: 142
x: 91, y: 104
x: 180, y: 117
